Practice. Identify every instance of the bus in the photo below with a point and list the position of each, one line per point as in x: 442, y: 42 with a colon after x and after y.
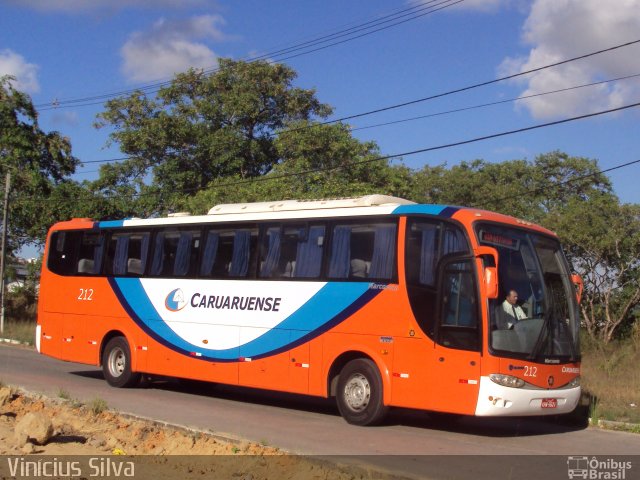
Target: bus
x: 376, y: 301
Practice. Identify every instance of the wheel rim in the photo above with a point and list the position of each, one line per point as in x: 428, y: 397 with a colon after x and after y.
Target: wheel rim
x: 357, y: 392
x: 117, y: 362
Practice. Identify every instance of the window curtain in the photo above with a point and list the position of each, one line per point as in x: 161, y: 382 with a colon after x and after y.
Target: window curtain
x: 340, y: 252
x: 270, y: 262
x: 384, y: 249
x: 210, y: 252
x: 98, y: 251
x: 183, y: 254
x: 144, y: 250
x: 121, y: 255
x: 158, y: 255
x: 309, y: 254
x: 453, y: 242
x: 240, y: 257
x: 428, y: 255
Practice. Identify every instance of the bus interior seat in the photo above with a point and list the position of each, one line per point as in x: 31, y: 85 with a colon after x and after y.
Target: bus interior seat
x: 85, y: 265
x: 360, y: 268
x: 289, y: 269
x: 134, y: 265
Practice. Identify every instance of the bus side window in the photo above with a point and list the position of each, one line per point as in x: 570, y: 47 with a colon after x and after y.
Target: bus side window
x: 291, y: 251
x: 421, y: 259
x: 459, y: 315
x: 174, y: 253
x: 363, y: 251
x: 63, y: 252
x: 127, y: 253
x: 90, y: 253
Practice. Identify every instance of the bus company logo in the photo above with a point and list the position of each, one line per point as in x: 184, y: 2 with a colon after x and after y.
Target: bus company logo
x: 175, y: 300
x: 595, y: 468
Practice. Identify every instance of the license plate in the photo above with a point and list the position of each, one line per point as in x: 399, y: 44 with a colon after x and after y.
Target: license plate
x: 549, y: 403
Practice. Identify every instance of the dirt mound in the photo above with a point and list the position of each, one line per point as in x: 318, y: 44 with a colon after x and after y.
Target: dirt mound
x: 92, y: 430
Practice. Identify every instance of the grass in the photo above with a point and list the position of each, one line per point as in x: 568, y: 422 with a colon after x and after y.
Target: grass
x: 63, y: 394
x: 97, y: 406
x: 611, y: 377
x: 21, y: 331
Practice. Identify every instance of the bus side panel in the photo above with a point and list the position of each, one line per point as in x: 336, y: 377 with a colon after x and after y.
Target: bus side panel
x: 271, y: 372
x: 412, y: 373
x: 50, y: 333
x: 162, y: 360
x: 78, y: 313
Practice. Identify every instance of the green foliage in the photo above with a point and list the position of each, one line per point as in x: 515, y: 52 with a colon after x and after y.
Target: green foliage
x: 523, y: 189
x: 200, y: 129
x: 316, y: 161
x: 38, y: 162
x: 602, y: 238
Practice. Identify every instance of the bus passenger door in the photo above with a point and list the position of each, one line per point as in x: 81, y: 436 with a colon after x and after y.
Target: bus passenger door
x: 457, y: 348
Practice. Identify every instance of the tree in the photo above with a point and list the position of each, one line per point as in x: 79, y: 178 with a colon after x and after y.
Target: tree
x: 201, y: 129
x: 521, y: 188
x: 39, y: 163
x: 315, y: 161
x: 602, y: 240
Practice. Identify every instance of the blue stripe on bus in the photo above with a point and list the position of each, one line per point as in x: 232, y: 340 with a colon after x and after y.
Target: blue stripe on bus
x: 334, y: 303
x: 442, y: 210
x: 111, y: 224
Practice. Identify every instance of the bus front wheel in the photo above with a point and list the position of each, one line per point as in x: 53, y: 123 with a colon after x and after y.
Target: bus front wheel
x: 116, y: 364
x: 359, y: 394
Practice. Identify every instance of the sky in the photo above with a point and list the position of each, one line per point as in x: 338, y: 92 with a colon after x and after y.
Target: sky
x: 66, y: 50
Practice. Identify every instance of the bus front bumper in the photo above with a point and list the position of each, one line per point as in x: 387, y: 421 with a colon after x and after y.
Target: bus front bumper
x: 497, y: 400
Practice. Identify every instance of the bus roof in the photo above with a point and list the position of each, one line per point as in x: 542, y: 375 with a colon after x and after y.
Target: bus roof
x: 307, y: 209
x: 294, y: 205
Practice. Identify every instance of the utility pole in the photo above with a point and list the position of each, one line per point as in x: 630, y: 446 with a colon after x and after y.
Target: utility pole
x: 3, y: 256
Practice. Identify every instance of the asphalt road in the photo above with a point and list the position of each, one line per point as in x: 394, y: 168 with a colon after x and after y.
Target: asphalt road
x: 410, y: 442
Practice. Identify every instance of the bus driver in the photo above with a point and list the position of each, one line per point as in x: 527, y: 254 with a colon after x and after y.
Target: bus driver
x: 511, y: 312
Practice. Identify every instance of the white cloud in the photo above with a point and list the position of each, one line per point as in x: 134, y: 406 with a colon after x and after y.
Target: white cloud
x: 560, y: 29
x: 171, y: 47
x: 478, y: 5
x: 83, y: 6
x: 15, y: 65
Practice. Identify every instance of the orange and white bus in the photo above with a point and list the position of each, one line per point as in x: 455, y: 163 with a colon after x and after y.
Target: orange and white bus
x: 376, y: 301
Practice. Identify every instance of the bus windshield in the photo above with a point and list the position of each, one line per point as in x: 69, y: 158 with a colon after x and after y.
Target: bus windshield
x: 535, y: 316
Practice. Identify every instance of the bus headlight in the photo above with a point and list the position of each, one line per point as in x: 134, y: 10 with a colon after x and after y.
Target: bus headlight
x: 574, y: 383
x: 506, y: 380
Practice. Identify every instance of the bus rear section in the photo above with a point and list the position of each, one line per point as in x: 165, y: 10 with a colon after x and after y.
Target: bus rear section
x: 388, y: 304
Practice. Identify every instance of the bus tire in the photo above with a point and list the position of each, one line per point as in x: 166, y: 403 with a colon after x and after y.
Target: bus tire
x: 359, y: 395
x: 116, y: 364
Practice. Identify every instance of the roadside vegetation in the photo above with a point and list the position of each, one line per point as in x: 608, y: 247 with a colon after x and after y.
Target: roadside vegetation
x: 610, y: 376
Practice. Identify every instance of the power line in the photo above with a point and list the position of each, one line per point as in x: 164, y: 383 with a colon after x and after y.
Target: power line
x: 481, y: 84
x: 430, y: 149
x: 446, y: 112
x: 403, y: 154
x: 415, y: 12
x: 490, y: 104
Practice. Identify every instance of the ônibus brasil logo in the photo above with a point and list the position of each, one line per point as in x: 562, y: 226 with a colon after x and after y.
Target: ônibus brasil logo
x: 175, y: 300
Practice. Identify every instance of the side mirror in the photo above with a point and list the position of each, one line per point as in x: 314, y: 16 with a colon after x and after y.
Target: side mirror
x: 490, y: 274
x: 578, y: 284
x: 491, y: 282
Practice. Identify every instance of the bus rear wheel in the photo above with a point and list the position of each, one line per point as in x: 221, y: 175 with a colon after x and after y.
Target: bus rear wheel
x: 116, y: 364
x: 359, y: 395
